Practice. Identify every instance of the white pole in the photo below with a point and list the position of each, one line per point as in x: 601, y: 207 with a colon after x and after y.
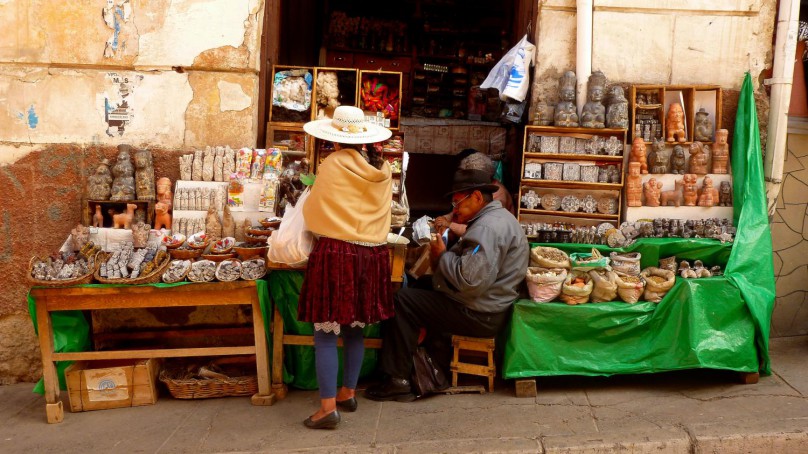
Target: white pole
x: 785, y: 47
x: 583, y: 47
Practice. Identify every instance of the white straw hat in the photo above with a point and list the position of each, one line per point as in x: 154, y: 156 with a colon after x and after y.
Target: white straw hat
x: 348, y: 126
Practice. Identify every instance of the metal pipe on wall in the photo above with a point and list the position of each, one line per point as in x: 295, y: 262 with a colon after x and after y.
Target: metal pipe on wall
x: 583, y: 49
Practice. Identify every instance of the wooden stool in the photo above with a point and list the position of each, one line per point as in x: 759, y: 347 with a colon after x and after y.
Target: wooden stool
x: 483, y: 348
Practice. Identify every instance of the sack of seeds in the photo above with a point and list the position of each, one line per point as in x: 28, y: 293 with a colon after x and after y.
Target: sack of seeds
x: 544, y: 284
x: 629, y: 288
x: 627, y: 263
x: 549, y: 257
x: 577, y: 288
x: 605, y: 286
x: 582, y: 261
x: 657, y: 283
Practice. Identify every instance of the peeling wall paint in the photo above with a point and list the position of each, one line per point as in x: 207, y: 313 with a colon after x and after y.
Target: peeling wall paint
x: 115, y: 14
x: 232, y: 97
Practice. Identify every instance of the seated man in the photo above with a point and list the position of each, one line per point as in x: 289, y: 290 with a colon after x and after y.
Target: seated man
x: 475, y: 282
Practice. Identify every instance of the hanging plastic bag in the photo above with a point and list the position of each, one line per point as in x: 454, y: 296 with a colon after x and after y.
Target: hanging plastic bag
x: 510, y: 75
x: 292, y: 243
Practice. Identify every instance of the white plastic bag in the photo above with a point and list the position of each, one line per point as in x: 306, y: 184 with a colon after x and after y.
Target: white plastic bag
x: 510, y: 75
x: 292, y: 243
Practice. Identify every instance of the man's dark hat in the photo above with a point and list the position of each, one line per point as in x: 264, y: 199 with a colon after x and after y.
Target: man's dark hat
x: 475, y: 172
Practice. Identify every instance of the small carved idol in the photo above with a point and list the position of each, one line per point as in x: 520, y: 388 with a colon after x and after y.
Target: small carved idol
x: 199, y: 162
x: 162, y: 218
x: 725, y: 194
x: 659, y: 158
x: 140, y: 234
x: 634, y: 185
x: 566, y: 112
x: 144, y: 175
x: 123, y: 184
x: 186, y: 167
x: 207, y: 164
x: 213, y: 226
x: 617, y: 112
x: 638, y: 154
x: 678, y: 161
x: 228, y: 223
x: 708, y: 196
x: 698, y: 160
x: 652, y: 192
x: 675, y: 123
x: 675, y: 196
x: 99, y: 184
x: 721, y: 152
x: 703, y: 131
x: 614, y: 173
x: 593, y: 114
x: 544, y: 114
x: 98, y: 217
x: 690, y: 190
x: 164, y: 193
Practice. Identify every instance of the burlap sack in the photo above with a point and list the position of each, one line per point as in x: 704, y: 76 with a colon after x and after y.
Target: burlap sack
x: 582, y: 261
x: 544, y: 284
x: 574, y: 294
x: 627, y: 263
x: 549, y: 257
x: 605, y: 286
x: 657, y: 283
x: 629, y: 288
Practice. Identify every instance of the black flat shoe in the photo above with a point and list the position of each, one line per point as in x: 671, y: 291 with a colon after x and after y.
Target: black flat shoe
x: 329, y: 421
x: 397, y: 389
x: 348, y: 405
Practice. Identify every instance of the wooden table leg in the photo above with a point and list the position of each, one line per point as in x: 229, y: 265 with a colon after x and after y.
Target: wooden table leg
x: 265, y: 395
x: 53, y: 406
x: 277, y: 355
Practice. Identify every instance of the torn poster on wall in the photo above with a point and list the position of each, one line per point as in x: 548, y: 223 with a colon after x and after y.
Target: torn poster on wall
x: 118, y: 108
x: 115, y: 14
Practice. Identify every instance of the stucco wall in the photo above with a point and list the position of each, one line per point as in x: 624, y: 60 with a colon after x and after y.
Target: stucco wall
x: 183, y: 74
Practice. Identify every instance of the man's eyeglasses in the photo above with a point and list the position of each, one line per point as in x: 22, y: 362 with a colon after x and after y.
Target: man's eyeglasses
x: 455, y: 204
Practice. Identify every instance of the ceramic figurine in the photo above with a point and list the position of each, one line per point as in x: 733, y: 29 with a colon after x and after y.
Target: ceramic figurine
x: 140, y: 234
x: 228, y: 223
x: 634, y: 185
x: 207, y: 164
x: 617, y: 112
x: 213, y: 226
x: 698, y: 160
x: 703, y: 130
x: 603, y: 175
x: 614, y: 173
x: 659, y: 158
x: 98, y: 218
x: 638, y: 154
x: 123, y: 220
x: 708, y: 196
x: 144, y: 175
x: 708, y: 157
x: 544, y: 114
x: 164, y: 193
x: 229, y: 165
x: 566, y: 112
x: 80, y: 235
x: 652, y: 192
x: 593, y: 115
x: 721, y: 152
x: 674, y: 196
x: 218, y: 162
x: 99, y: 184
x: 199, y: 162
x: 678, y: 160
x: 690, y: 190
x: 123, y: 184
x: 162, y: 218
x: 675, y: 122
x: 186, y: 167
x: 725, y: 194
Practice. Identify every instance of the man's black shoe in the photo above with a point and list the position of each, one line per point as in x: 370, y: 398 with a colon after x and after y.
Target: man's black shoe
x: 398, y: 389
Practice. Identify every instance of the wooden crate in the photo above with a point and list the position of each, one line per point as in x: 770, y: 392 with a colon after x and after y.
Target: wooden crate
x: 101, y: 385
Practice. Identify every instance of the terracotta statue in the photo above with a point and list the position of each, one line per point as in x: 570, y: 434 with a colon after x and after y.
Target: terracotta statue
x: 123, y: 184
x: 708, y: 196
x: 140, y: 234
x: 162, y: 219
x: 213, y: 226
x: 703, y: 130
x: 144, y: 175
x: 675, y: 196
x: 634, y: 185
x: 725, y: 194
x: 658, y: 159
x: 675, y: 123
x: 123, y: 220
x: 99, y: 184
x: 721, y: 152
x: 617, y: 112
x: 593, y: 115
x: 80, y: 236
x: 638, y: 154
x: 544, y: 114
x: 164, y: 193
x: 186, y: 167
x: 652, y: 192
x: 566, y: 112
x: 678, y: 160
x: 698, y: 160
x: 690, y: 190
x: 98, y: 218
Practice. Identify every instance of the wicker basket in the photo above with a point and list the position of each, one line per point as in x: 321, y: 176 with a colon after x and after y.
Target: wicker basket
x: 152, y: 278
x: 86, y: 279
x: 218, y: 257
x: 246, y: 253
x: 181, y: 278
x: 206, y: 388
x: 219, y: 266
x: 184, y: 254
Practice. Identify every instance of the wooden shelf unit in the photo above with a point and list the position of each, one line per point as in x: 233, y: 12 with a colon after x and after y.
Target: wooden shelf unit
x: 693, y: 97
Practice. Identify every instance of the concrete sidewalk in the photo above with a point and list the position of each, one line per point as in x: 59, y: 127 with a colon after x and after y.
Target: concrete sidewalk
x: 682, y: 412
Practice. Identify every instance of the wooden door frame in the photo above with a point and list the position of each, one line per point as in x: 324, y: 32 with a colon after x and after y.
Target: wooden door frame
x: 270, y: 48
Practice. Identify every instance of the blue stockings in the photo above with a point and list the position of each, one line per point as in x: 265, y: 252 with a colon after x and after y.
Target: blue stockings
x: 327, y: 363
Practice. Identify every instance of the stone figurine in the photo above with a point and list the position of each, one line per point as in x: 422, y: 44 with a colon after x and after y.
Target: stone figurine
x: 617, y: 112
x: 99, y: 184
x: 213, y: 226
x: 228, y: 223
x: 690, y: 190
x: 638, y: 154
x: 164, y: 193
x: 144, y: 175
x: 721, y: 152
x: 703, y: 130
x: 566, y: 112
x: 186, y: 167
x: 634, y: 185
x: 229, y: 165
x: 183, y: 199
x: 207, y: 164
x: 698, y: 159
x: 658, y: 158
x: 196, y: 173
x: 675, y: 122
x: 614, y: 173
x: 651, y: 191
x: 140, y: 234
x: 544, y: 114
x: 708, y: 196
x: 218, y: 163
x: 675, y: 196
x: 593, y: 115
x: 725, y: 194
x: 123, y: 184
x: 678, y: 161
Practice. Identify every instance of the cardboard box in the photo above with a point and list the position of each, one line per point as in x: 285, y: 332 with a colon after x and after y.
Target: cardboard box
x: 99, y: 385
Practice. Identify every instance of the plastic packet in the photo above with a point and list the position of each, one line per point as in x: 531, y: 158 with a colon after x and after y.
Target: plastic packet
x: 257, y: 165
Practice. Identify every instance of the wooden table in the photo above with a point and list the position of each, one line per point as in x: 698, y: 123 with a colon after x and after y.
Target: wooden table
x: 140, y: 297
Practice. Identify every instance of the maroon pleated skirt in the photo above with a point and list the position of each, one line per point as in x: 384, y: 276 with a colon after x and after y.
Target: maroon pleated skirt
x: 346, y: 282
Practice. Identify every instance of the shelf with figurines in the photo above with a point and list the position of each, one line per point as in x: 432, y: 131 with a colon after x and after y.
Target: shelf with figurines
x: 600, y: 204
x: 676, y: 113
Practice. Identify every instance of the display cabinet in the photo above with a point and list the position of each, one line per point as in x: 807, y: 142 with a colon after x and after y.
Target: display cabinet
x: 334, y: 87
x: 650, y: 107
x: 291, y: 97
x: 380, y: 94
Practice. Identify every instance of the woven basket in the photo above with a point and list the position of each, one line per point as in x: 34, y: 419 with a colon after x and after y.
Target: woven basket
x: 219, y: 266
x: 184, y: 254
x: 182, y: 278
x: 218, y: 257
x: 152, y: 278
x: 246, y: 253
x: 196, y: 388
x: 86, y: 279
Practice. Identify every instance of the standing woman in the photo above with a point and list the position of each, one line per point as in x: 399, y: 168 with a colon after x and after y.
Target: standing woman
x: 347, y: 283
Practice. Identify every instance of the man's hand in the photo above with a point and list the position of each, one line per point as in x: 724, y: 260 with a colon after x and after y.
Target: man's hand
x: 436, y: 248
